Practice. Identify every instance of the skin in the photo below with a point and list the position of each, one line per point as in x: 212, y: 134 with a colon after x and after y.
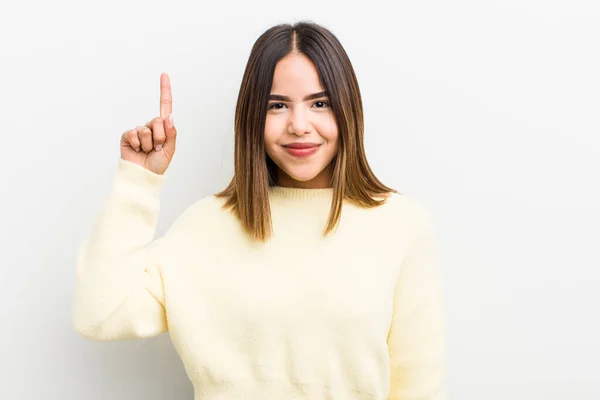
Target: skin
x: 152, y: 145
x: 300, y: 120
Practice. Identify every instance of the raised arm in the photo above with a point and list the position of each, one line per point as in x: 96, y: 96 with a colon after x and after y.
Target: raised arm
x: 119, y: 291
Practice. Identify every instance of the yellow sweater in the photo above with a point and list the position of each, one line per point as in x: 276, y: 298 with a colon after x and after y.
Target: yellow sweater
x: 356, y: 315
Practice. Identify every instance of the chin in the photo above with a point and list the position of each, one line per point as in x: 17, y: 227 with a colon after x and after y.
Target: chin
x: 302, y: 176
x: 306, y: 174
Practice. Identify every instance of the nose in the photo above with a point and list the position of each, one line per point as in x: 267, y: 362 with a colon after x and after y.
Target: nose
x: 299, y: 123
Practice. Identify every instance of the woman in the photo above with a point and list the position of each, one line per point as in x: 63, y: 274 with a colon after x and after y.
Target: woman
x: 306, y: 278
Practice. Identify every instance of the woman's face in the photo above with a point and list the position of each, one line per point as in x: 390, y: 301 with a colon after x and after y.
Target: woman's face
x: 301, y: 135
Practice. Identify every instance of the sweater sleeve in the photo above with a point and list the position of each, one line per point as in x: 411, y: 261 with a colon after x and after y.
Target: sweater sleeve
x: 118, y: 290
x: 416, y: 337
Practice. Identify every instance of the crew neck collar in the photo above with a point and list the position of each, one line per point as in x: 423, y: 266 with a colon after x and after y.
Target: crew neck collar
x: 284, y: 193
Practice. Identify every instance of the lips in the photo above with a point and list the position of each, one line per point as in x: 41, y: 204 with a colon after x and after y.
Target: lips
x: 299, y: 145
x: 301, y: 150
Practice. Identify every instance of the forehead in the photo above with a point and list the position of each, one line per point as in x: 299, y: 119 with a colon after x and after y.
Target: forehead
x: 296, y: 72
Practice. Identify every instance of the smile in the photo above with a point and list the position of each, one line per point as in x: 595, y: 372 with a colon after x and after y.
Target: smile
x: 301, y: 149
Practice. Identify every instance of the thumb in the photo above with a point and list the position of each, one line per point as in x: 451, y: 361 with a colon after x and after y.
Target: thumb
x: 170, y: 133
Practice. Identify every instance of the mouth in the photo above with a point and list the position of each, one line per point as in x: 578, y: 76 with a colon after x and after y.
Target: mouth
x: 301, y: 145
x: 301, y: 149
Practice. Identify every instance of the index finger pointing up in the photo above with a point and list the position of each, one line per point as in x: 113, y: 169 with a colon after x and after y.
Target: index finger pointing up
x: 166, y: 101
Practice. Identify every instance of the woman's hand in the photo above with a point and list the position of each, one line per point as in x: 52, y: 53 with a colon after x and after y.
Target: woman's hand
x: 152, y: 146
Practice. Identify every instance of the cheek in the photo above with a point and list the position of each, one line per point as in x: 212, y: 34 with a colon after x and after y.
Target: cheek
x: 271, y: 132
x: 335, y: 146
x: 269, y: 135
x: 333, y: 141
x: 332, y: 138
x: 327, y: 128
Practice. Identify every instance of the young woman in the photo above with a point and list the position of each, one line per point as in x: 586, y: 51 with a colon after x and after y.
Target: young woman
x: 306, y: 278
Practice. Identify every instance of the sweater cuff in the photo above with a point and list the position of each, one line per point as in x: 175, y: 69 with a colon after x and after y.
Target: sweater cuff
x: 133, y: 180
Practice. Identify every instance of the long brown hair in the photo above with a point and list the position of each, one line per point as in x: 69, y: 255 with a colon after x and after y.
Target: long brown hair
x: 248, y: 192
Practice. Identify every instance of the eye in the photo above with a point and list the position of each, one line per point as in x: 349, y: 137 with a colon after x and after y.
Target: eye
x: 273, y: 106
x: 324, y: 104
x: 279, y: 106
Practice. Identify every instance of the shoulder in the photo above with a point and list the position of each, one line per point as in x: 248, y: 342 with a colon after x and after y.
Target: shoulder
x: 409, y: 211
x: 205, y: 213
x: 206, y: 206
x: 406, y: 205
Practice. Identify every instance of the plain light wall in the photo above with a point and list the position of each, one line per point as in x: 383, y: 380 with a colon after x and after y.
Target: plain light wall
x: 485, y: 111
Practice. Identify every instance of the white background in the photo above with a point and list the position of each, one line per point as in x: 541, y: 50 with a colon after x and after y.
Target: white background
x: 485, y: 111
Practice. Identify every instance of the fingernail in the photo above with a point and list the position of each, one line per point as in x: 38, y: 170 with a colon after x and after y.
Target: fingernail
x: 171, y: 120
x: 158, y: 147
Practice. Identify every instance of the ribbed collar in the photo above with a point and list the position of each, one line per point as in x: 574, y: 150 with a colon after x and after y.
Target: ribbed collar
x: 283, y: 194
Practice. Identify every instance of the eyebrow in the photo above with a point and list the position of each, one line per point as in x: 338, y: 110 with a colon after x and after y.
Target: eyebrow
x: 309, y: 97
